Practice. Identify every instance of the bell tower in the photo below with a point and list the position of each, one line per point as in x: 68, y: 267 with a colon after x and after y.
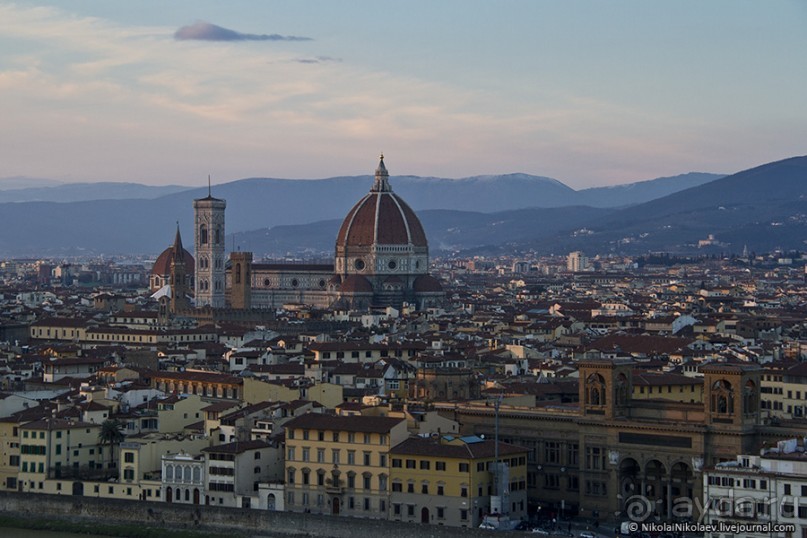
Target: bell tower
x: 605, y: 387
x: 209, y: 250
x: 731, y: 394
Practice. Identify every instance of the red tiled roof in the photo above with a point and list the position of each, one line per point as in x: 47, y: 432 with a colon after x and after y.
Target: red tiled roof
x: 360, y: 424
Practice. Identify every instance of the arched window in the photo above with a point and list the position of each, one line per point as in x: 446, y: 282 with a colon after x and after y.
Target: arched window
x: 203, y: 234
x: 351, y: 480
x: 750, y: 399
x: 237, y: 273
x: 722, y: 401
x: 595, y: 390
x: 218, y: 235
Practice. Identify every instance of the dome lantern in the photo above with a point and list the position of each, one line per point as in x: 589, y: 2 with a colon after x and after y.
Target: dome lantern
x: 381, y: 183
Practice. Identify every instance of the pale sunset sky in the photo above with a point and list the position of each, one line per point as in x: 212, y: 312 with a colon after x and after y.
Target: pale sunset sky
x: 590, y: 92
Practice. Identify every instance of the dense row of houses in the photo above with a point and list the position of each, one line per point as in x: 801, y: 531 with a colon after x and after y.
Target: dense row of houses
x: 599, y: 386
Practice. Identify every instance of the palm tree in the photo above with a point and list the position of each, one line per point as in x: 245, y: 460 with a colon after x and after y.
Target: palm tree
x: 111, y: 434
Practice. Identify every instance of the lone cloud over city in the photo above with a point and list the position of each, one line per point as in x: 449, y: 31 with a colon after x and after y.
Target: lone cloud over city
x: 204, y: 31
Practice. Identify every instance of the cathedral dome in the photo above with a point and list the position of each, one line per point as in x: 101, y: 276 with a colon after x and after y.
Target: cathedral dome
x: 381, y: 218
x: 162, y: 266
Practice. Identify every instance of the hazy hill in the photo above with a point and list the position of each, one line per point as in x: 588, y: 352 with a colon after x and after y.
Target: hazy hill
x: 642, y: 191
x: 764, y: 208
x: 82, y: 192
x: 477, y: 193
x: 87, y: 228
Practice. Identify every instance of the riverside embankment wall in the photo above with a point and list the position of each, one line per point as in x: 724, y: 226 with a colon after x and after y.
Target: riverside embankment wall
x: 176, y: 516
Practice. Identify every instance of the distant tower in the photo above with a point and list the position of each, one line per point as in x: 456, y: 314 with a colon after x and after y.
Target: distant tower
x: 179, y: 277
x: 209, y: 250
x: 576, y: 261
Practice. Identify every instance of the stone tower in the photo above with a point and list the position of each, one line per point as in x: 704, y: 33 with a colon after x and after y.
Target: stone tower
x: 731, y: 394
x: 209, y: 250
x: 241, y: 286
x: 605, y: 387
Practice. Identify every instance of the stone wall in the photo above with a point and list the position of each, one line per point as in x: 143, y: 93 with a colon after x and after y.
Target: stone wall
x: 262, y: 523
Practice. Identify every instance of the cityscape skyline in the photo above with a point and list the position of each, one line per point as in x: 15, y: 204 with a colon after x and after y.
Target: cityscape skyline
x: 586, y: 93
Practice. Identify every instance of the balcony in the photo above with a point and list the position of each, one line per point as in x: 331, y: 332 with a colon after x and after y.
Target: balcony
x: 334, y: 486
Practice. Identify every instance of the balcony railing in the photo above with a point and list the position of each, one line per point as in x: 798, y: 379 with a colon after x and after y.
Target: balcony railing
x: 334, y: 487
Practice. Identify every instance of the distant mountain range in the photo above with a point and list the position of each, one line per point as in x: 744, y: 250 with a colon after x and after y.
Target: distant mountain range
x: 763, y: 208
x: 477, y: 193
x: 82, y: 192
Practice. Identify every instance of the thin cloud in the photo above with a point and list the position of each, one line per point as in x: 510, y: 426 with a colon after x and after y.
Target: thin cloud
x: 204, y: 31
x: 317, y: 60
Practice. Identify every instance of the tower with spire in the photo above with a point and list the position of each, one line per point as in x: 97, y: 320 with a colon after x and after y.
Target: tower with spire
x: 209, y: 250
x: 179, y: 277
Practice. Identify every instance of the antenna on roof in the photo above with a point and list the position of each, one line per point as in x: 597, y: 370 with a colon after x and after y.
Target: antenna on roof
x: 209, y: 188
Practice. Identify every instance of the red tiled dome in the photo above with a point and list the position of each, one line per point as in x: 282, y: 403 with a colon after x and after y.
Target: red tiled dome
x: 427, y: 283
x: 356, y: 284
x: 381, y: 217
x: 163, y: 264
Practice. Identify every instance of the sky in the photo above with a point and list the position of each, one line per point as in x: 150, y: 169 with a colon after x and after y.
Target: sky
x: 589, y: 92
